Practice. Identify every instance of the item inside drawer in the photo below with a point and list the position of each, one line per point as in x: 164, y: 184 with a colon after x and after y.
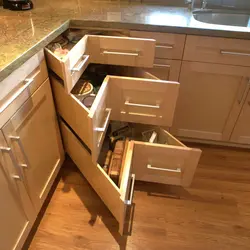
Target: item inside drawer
x: 114, y: 149
x: 65, y: 42
x: 154, y: 134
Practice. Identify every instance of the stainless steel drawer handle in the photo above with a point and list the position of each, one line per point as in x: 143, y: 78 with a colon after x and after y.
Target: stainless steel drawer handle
x: 139, y: 114
x: 102, y: 129
x: 81, y: 64
x: 164, y: 46
x: 224, y: 52
x: 106, y: 52
x: 130, y: 201
x: 18, y: 140
x: 14, y: 162
x: 141, y: 105
x: 156, y: 65
x: 177, y: 170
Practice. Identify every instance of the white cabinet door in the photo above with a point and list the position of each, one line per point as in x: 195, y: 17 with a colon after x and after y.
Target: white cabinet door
x: 241, y: 132
x: 33, y: 134
x: 17, y: 213
x: 210, y: 99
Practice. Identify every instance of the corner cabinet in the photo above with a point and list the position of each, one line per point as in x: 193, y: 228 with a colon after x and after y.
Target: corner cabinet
x: 33, y: 136
x: 133, y: 95
x: 210, y: 99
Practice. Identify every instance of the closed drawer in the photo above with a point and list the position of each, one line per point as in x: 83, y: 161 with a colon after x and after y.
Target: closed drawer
x: 166, y: 161
x: 217, y: 50
x: 130, y: 99
x: 165, y: 69
x: 168, y: 46
x: 117, y: 199
x: 32, y: 77
x: 113, y: 50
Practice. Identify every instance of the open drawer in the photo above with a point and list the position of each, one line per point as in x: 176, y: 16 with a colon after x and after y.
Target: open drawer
x: 117, y: 199
x: 164, y: 159
x: 113, y: 50
x: 139, y: 100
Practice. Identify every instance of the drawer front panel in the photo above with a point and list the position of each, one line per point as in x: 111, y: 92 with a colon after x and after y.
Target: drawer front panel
x: 24, y: 89
x: 172, y: 163
x: 167, y: 70
x: 217, y: 50
x: 140, y: 100
x: 168, y: 46
x: 121, y: 51
x: 112, y: 196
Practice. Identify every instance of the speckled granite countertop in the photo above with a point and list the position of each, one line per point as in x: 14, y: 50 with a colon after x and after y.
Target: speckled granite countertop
x: 22, y: 34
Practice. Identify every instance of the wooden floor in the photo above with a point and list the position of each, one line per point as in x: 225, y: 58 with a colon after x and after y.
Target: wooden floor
x: 213, y: 214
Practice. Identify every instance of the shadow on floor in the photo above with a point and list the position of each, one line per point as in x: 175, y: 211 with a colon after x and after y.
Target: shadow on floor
x: 96, y: 207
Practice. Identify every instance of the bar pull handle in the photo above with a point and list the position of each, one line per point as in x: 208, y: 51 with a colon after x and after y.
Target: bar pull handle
x: 81, y: 64
x: 18, y: 140
x: 177, y: 170
x: 104, y: 127
x: 233, y: 53
x: 156, y: 65
x: 130, y: 200
x: 164, y: 46
x: 106, y: 52
x: 141, y: 105
x: 13, y: 159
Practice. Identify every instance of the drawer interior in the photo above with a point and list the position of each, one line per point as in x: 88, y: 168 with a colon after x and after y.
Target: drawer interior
x: 120, y: 133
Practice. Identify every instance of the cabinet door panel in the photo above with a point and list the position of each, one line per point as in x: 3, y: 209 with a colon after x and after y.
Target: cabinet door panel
x: 241, y: 132
x: 34, y: 137
x: 210, y: 100
x: 17, y: 213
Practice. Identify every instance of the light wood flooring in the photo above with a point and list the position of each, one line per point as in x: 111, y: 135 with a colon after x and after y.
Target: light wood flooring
x: 213, y: 214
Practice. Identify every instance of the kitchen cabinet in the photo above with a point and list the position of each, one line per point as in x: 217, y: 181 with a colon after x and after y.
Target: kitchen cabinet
x: 33, y: 135
x: 217, y: 50
x: 241, y: 132
x: 17, y: 212
x: 210, y: 99
x: 133, y: 95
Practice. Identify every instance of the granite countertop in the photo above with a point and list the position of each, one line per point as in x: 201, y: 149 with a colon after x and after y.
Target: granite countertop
x: 22, y: 34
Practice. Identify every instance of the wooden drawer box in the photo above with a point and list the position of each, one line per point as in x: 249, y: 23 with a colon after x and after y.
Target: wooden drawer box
x: 128, y: 99
x: 113, y: 50
x: 168, y: 46
x: 115, y: 198
x: 168, y: 162
x: 217, y: 50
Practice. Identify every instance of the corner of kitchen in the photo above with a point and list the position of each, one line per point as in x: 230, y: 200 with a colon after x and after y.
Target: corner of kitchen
x: 124, y: 124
